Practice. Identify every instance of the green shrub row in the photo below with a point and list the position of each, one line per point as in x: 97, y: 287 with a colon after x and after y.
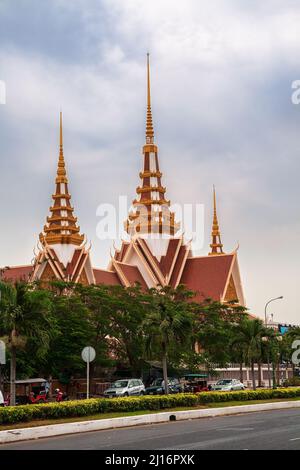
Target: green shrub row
x: 25, y: 413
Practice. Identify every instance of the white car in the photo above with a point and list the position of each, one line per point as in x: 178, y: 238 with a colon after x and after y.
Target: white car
x: 125, y: 388
x: 228, y: 385
x: 1, y: 399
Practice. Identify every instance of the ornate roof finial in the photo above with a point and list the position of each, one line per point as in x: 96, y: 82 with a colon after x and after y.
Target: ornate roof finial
x: 149, y: 122
x: 151, y: 213
x: 61, y: 169
x: 61, y: 226
x: 216, y: 245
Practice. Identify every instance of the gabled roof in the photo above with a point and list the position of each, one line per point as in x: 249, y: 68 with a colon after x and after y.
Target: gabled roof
x: 102, y: 276
x: 129, y: 275
x: 208, y: 276
x: 17, y: 273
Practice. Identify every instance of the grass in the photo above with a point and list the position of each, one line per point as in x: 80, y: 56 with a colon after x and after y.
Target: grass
x: 99, y: 416
x: 248, y: 402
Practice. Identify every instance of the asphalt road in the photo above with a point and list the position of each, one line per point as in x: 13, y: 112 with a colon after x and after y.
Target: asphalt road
x: 265, y: 430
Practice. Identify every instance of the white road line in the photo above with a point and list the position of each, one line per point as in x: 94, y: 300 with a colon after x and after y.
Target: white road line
x: 235, y: 429
x: 295, y: 439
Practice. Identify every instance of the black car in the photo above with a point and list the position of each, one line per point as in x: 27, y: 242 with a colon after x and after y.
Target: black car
x: 157, y: 387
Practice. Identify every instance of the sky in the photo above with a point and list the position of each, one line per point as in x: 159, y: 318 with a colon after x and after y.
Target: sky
x: 221, y: 77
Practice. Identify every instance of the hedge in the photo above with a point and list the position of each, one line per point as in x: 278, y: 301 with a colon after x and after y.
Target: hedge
x: 25, y: 413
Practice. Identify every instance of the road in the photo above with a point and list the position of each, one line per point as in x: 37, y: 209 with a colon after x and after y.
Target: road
x: 265, y: 430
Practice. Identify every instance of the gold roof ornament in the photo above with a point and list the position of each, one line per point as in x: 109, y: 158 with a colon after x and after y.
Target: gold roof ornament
x: 61, y: 226
x: 216, y: 244
x: 61, y: 168
x: 149, y: 120
x: 151, y: 213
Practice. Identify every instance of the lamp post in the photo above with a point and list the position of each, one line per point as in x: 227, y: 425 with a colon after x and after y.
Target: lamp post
x: 266, y: 306
x: 266, y: 324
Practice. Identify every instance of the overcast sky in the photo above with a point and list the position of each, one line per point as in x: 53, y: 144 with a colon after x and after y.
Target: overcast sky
x: 222, y: 73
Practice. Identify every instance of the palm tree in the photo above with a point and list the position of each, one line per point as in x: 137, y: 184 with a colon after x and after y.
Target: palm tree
x: 249, y: 334
x: 167, y: 323
x: 25, y: 315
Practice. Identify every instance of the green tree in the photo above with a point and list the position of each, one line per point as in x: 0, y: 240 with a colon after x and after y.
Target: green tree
x: 25, y: 316
x: 127, y: 309
x: 168, y: 324
x: 248, y: 335
x: 73, y: 332
x: 214, y: 332
x: 98, y: 301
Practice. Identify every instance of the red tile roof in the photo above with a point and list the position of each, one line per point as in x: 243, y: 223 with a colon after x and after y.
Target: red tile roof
x: 106, y: 277
x: 207, y: 276
x: 178, y: 265
x: 167, y: 260
x: 17, y: 273
x: 132, y: 274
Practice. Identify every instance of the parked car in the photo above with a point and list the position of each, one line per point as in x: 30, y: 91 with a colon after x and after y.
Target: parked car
x: 228, y: 385
x: 157, y: 387
x: 125, y: 388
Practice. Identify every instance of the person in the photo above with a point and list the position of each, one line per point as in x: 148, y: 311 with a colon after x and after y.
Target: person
x: 47, y: 387
x: 59, y: 394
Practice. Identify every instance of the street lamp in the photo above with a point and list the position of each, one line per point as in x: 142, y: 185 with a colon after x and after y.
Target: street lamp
x: 266, y: 324
x: 266, y: 306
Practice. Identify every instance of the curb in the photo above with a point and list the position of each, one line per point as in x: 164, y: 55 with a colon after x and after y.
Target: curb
x: 38, y: 432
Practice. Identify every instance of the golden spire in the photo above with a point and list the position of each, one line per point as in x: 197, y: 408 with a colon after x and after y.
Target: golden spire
x: 61, y: 169
x: 151, y: 213
x: 216, y: 245
x: 149, y: 122
x: 61, y: 226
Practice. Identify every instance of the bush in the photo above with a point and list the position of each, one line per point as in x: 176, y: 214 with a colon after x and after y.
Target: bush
x: 293, y: 382
x: 25, y: 413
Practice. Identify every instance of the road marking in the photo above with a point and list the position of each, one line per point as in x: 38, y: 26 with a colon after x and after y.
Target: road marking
x: 235, y: 429
x: 295, y: 439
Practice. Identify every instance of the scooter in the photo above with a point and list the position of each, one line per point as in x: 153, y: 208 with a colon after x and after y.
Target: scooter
x: 61, y: 396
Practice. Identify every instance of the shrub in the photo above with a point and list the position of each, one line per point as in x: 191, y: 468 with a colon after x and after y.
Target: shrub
x: 25, y: 413
x: 292, y: 382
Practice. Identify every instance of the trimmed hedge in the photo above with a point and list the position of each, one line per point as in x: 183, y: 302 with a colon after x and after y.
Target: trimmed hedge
x: 25, y: 413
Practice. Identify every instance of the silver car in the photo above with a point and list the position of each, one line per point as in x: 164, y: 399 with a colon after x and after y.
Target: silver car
x: 125, y: 388
x: 228, y: 385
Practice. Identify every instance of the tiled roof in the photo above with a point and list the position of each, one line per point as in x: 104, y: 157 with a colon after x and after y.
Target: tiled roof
x: 17, y: 273
x: 109, y: 278
x: 207, y: 276
x: 132, y: 274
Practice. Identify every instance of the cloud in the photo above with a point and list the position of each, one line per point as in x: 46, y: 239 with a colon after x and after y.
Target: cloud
x: 221, y: 76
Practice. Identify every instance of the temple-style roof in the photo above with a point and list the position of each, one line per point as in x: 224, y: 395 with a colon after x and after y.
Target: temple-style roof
x: 17, y: 273
x: 103, y: 276
x: 207, y: 275
x: 61, y: 226
x: 129, y: 275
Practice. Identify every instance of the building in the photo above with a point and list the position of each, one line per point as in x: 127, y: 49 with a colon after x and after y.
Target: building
x: 156, y: 253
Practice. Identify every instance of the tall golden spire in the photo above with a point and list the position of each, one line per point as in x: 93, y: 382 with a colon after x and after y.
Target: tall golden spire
x: 61, y: 168
x: 149, y: 121
x: 151, y: 213
x: 61, y: 226
x: 216, y: 245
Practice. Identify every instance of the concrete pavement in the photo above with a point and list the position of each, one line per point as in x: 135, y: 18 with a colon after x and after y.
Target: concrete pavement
x: 269, y: 430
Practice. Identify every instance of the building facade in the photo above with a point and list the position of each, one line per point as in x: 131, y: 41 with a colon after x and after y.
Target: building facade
x: 156, y: 253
